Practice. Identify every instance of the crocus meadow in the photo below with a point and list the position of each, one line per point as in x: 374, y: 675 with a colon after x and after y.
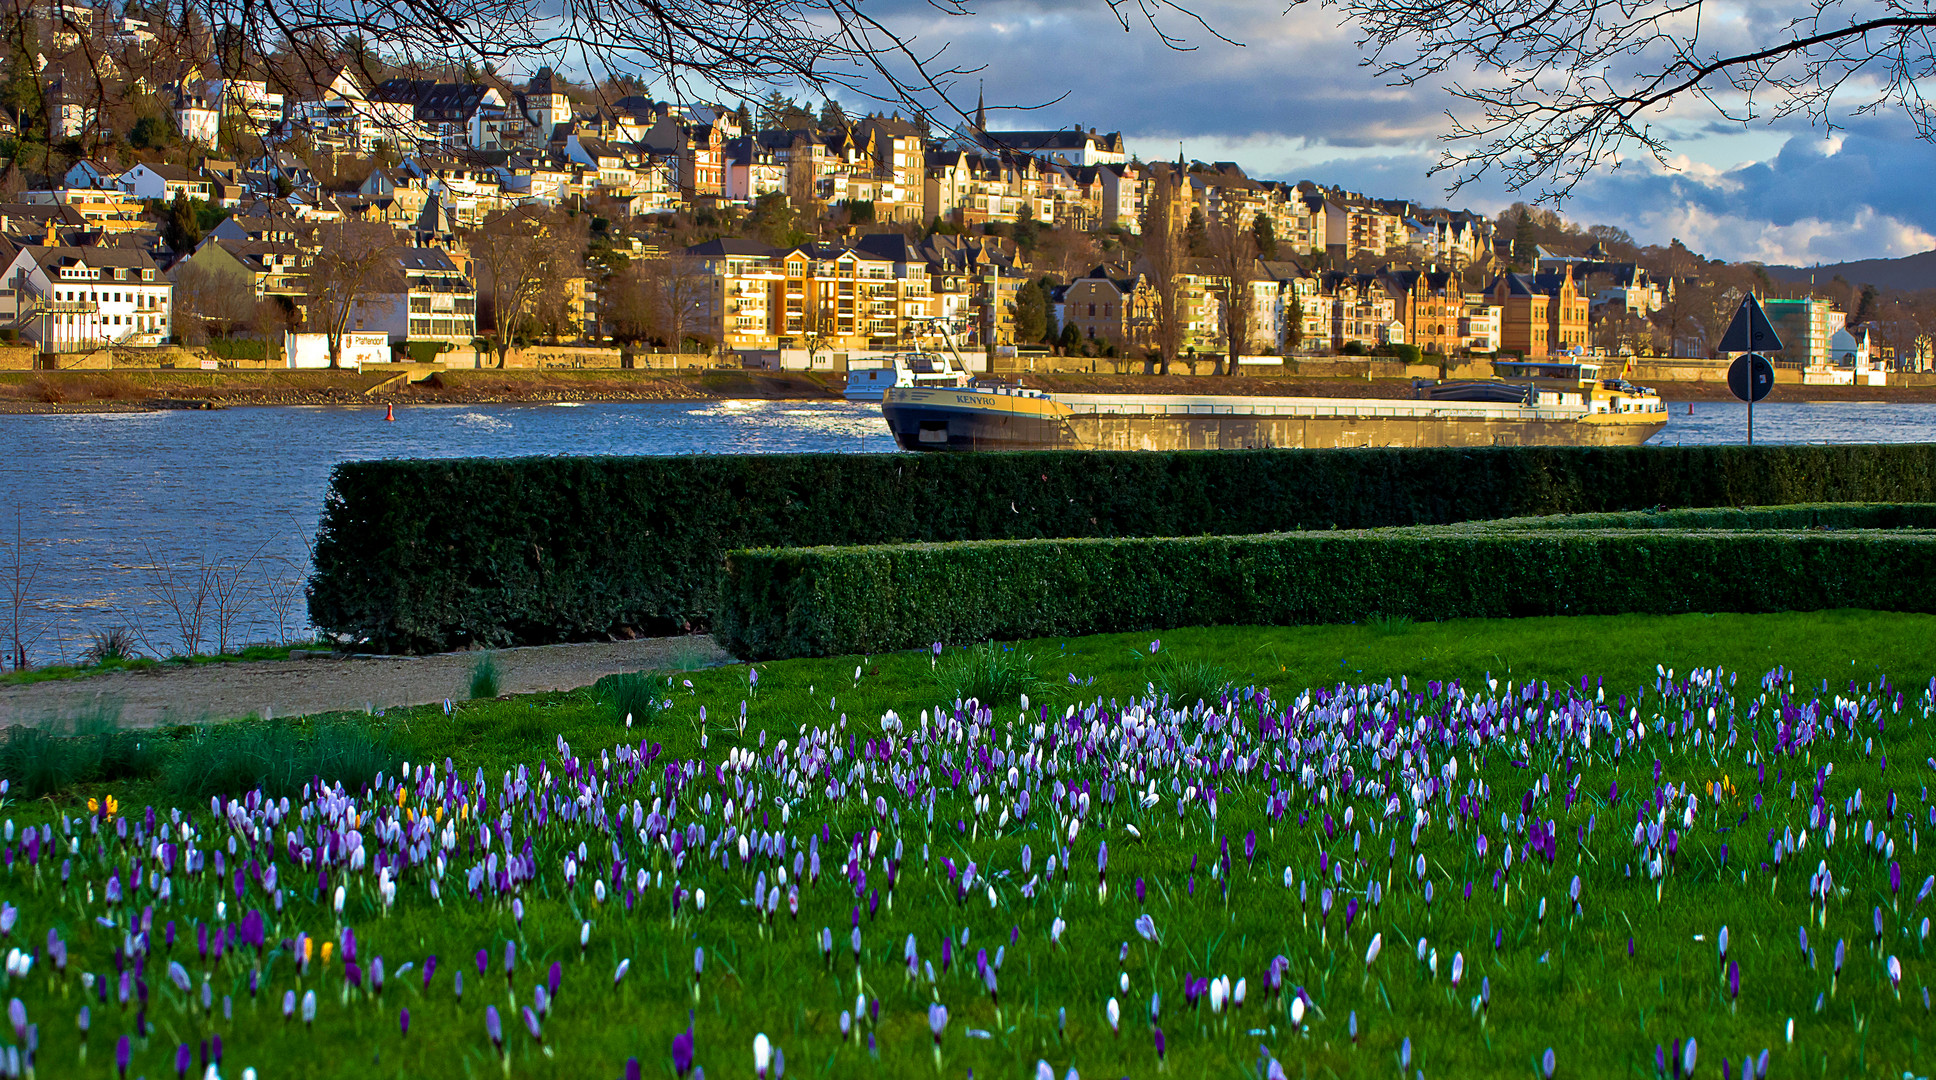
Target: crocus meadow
x: 1714, y: 874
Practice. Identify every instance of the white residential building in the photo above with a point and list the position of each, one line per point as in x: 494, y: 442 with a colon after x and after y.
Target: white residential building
x: 251, y: 101
x: 437, y: 301
x: 162, y: 183
x: 72, y: 299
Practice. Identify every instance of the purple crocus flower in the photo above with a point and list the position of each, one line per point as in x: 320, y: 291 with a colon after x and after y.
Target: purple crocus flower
x: 681, y: 1052
x: 531, y: 1024
x: 184, y: 1057
x: 122, y: 1053
x: 493, y: 1026
x: 1158, y: 1034
x: 510, y: 959
x: 403, y: 1022
x: 937, y: 1020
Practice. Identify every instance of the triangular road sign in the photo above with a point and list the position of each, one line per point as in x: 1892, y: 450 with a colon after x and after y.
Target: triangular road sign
x: 1750, y: 331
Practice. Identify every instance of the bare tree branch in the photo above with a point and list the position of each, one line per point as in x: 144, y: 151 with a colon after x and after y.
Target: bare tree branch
x: 1551, y: 90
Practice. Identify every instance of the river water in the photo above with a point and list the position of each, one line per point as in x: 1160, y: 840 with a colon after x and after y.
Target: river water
x: 122, y: 517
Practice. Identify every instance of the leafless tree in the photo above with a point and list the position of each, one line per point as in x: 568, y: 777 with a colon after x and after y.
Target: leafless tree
x: 520, y: 253
x: 182, y: 592
x: 354, y: 262
x: 1066, y: 253
x: 624, y: 309
x: 19, y: 569
x: 816, y: 330
x: 1619, y: 332
x: 1550, y: 90
x: 283, y: 593
x: 680, y: 291
x: 209, y: 303
x: 559, y: 307
x: 231, y: 587
x: 1233, y: 252
x: 1166, y: 216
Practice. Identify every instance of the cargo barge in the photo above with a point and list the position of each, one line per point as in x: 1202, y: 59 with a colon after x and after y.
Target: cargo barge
x: 1533, y: 404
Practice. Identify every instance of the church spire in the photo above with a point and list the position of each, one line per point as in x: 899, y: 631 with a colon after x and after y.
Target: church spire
x: 981, y: 110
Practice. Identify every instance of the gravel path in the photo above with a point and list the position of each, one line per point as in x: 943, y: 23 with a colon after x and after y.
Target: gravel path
x: 326, y: 684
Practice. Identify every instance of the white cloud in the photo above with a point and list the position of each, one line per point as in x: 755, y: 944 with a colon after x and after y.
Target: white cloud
x: 1296, y: 102
x: 1867, y: 234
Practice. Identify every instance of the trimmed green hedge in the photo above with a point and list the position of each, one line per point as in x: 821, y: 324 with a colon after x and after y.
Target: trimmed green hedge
x: 829, y: 601
x: 1804, y: 516
x: 425, y: 555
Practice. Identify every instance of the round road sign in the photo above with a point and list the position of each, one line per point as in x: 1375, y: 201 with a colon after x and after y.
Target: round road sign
x: 1751, y: 376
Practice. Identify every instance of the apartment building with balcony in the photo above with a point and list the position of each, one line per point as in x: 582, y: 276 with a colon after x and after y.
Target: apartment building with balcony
x: 744, y: 293
x: 429, y: 295
x: 248, y: 104
x: 71, y: 299
x: 1481, y: 324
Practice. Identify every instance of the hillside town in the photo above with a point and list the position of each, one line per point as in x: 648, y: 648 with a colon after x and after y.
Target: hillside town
x: 353, y: 212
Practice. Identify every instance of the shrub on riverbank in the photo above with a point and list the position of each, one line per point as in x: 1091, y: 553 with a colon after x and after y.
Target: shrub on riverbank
x: 432, y: 555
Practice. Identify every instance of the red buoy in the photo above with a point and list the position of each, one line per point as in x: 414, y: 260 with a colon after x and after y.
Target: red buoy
x: 390, y: 412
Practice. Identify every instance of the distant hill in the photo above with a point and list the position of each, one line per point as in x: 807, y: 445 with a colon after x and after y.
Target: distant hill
x: 1911, y: 272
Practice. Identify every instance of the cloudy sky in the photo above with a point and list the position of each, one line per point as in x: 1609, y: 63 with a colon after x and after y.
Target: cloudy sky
x: 1294, y: 103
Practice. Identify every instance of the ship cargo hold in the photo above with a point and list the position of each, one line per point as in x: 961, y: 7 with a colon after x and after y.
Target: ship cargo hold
x: 1538, y: 412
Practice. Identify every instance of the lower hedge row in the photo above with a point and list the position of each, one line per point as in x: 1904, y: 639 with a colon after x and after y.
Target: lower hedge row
x: 1799, y: 516
x: 778, y: 603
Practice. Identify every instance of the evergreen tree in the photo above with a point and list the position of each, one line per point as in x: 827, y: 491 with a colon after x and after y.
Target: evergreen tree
x: 1864, y: 307
x: 1071, y: 339
x: 1196, y: 235
x: 1031, y: 312
x: 182, y: 228
x: 1293, y: 325
x: 774, y: 221
x: 1525, y: 240
x: 833, y: 118
x: 780, y: 113
x: 1027, y: 229
x: 1266, y: 234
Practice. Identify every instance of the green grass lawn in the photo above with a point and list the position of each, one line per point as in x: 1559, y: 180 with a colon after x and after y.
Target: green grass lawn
x: 1635, y: 967
x: 58, y: 672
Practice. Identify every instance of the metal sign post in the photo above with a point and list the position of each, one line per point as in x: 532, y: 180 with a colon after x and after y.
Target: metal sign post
x: 1751, y: 376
